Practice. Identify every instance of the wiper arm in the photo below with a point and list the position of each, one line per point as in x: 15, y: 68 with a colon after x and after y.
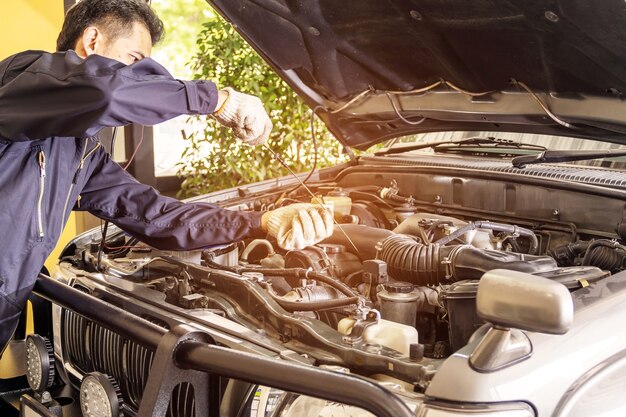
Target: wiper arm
x: 491, y: 141
x: 418, y: 146
x: 563, y: 156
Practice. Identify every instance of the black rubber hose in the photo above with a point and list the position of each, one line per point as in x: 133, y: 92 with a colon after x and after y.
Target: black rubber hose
x: 579, y: 247
x: 370, y: 197
x: 309, y: 305
x: 607, y: 259
x: 592, y: 246
x: 363, y: 237
x: 604, y: 259
x: 498, y: 227
x: 364, y: 188
x: 409, y: 260
x: 565, y: 255
x: 305, y: 273
x: 101, y: 247
x: 314, y: 305
x: 287, y: 272
x: 334, y: 283
x: 398, y: 198
x: 224, y: 250
x: 208, y: 261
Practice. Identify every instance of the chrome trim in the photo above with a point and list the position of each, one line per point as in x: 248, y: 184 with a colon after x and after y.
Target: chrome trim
x: 598, y: 371
x: 475, y: 409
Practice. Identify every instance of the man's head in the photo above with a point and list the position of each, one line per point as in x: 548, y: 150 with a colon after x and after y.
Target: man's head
x: 124, y: 30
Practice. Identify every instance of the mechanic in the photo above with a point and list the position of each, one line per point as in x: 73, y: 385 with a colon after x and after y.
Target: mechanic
x: 51, y: 107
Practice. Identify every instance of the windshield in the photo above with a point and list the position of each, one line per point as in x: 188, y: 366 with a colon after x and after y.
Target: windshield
x: 547, y: 141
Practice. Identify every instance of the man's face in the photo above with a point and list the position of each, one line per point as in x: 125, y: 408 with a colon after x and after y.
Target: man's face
x: 127, y: 48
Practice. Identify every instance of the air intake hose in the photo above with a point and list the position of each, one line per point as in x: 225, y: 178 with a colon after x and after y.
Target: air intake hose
x: 408, y: 260
x: 605, y: 254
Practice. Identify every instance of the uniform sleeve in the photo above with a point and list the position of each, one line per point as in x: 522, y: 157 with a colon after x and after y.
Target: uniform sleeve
x: 60, y: 94
x: 165, y: 223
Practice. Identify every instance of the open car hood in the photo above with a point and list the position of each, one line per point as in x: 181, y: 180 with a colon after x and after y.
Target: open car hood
x: 351, y: 59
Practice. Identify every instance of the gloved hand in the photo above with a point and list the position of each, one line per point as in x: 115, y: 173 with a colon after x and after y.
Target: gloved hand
x: 298, y: 225
x: 246, y: 116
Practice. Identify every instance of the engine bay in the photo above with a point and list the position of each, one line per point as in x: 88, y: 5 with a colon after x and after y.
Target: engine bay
x: 390, y: 294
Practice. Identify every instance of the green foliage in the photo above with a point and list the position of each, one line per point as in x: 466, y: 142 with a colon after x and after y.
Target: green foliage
x: 183, y: 20
x: 213, y: 158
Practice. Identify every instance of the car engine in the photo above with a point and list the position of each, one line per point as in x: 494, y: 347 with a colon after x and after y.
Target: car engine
x: 389, y: 295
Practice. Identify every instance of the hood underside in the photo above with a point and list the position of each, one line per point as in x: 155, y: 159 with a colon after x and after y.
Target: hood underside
x: 331, y: 52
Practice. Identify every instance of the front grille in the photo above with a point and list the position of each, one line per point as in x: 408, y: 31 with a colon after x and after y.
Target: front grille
x: 182, y: 402
x: 105, y: 348
x: 90, y: 347
x: 74, y: 331
x: 138, y: 362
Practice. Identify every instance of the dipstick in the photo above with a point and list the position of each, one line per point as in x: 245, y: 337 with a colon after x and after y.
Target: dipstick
x: 315, y: 199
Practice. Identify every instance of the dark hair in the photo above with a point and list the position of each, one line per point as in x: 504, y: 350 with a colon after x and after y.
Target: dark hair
x: 113, y: 17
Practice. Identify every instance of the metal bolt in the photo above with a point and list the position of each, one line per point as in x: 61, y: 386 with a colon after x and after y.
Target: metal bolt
x: 551, y: 16
x: 46, y: 397
x: 415, y: 15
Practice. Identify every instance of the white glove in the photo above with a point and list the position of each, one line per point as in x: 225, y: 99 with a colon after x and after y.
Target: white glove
x: 299, y: 225
x: 246, y: 116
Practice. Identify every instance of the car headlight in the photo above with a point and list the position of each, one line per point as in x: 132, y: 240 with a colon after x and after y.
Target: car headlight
x: 39, y: 363
x: 303, y: 406
x: 291, y: 405
x: 288, y: 404
x: 440, y: 409
x: 100, y: 396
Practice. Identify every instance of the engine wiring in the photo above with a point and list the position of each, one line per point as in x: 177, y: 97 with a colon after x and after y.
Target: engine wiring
x: 414, y: 91
x: 543, y: 106
x: 315, y: 153
x: 391, y: 93
x: 132, y: 157
x: 395, y: 109
x: 104, y: 227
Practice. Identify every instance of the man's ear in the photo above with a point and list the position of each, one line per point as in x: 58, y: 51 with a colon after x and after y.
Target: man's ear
x: 91, y: 42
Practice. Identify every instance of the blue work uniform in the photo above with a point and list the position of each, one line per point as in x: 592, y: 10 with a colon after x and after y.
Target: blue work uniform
x: 51, y: 107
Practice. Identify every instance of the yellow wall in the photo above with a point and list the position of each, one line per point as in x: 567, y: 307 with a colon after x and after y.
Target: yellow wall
x: 33, y: 24
x: 29, y: 24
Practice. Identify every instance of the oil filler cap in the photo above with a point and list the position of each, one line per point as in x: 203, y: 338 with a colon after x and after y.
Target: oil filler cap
x: 332, y: 248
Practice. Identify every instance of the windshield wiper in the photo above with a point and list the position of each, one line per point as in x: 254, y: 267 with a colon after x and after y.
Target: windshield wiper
x: 480, y: 141
x: 563, y: 156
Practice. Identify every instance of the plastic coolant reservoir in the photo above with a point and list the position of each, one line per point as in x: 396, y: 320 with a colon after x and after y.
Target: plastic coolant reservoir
x: 341, y: 203
x: 386, y: 333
